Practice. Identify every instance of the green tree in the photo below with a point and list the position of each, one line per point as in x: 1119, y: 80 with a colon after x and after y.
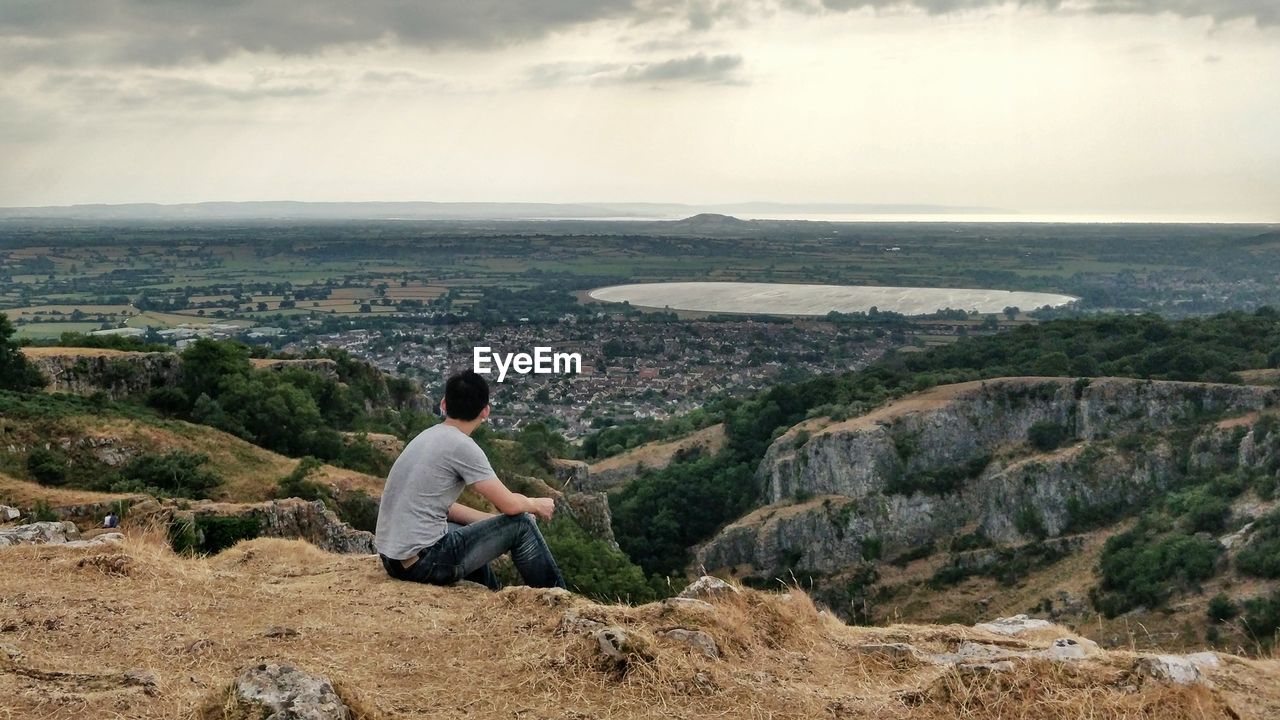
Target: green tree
x: 16, y: 372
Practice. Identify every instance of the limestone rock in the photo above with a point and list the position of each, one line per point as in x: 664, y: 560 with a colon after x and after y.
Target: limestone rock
x: 1069, y: 649
x: 591, y: 511
x: 295, y: 518
x: 574, y: 624
x: 1177, y: 669
x: 9, y: 514
x: 86, y: 371
x: 39, y: 533
x: 287, y: 693
x: 621, y: 646
x: 697, y: 640
x: 1012, y: 626
x: 570, y: 474
x: 1230, y: 540
x: 707, y: 587
x: 685, y: 603
x: 852, y: 471
x: 103, y: 539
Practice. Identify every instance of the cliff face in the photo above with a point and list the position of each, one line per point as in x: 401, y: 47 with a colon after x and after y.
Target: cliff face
x: 956, y: 460
x: 84, y: 371
x: 119, y: 374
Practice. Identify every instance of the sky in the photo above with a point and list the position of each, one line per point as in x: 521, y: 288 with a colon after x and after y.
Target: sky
x: 1152, y: 109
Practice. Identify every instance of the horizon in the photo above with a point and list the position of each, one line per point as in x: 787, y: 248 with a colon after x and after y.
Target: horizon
x: 869, y: 213
x: 1096, y: 109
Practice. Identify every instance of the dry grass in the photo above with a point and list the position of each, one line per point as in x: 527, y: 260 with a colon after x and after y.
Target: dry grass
x: 53, y: 351
x: 24, y: 494
x: 657, y: 455
x: 75, y: 621
x: 248, y: 471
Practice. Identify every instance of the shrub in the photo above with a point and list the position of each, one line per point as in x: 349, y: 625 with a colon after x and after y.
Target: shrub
x: 594, y: 568
x: 1046, y: 435
x: 42, y: 511
x: 1140, y: 569
x: 358, y: 509
x: 221, y: 532
x: 1222, y: 608
x: 1262, y: 618
x: 918, y: 552
x: 177, y: 473
x: 296, y: 484
x: 47, y: 467
x: 1029, y: 522
x: 1261, y: 556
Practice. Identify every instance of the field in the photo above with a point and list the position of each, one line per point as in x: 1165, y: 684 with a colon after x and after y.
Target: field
x: 60, y: 276
x: 802, y: 299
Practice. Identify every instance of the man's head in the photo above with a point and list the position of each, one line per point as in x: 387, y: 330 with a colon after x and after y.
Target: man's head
x: 466, y: 397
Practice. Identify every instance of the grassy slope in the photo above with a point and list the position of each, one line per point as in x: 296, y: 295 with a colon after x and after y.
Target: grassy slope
x: 248, y: 471
x: 77, y: 620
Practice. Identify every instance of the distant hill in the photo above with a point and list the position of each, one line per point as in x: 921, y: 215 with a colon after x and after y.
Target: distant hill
x: 456, y: 211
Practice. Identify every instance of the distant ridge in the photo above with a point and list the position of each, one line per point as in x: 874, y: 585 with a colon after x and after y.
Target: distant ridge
x: 464, y: 211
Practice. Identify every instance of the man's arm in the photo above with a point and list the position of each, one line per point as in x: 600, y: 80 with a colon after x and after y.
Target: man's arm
x: 509, y: 503
x: 464, y: 515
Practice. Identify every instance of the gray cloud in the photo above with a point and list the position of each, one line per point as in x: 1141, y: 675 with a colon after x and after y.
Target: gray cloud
x: 172, y: 32
x: 179, y: 31
x: 1264, y: 12
x: 699, y: 69
x: 710, y: 69
x: 100, y: 90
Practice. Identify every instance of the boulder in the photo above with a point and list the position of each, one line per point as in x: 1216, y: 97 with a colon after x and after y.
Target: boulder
x: 1012, y: 626
x: 685, y: 603
x: 283, y: 692
x: 621, y: 646
x: 9, y: 514
x: 574, y: 624
x: 696, y: 640
x: 1177, y: 669
x: 707, y: 587
x: 39, y: 533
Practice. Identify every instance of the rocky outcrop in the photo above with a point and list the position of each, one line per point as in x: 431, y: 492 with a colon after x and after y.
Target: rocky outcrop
x: 591, y: 510
x: 941, y: 463
x: 291, y: 518
x: 52, y: 533
x: 119, y: 374
x: 324, y: 367
x: 271, y: 690
x: 570, y: 474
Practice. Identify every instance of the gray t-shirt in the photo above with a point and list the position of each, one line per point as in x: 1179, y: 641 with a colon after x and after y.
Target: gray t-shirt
x: 425, y: 480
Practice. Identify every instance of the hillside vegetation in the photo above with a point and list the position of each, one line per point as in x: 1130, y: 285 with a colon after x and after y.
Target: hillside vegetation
x: 673, y: 509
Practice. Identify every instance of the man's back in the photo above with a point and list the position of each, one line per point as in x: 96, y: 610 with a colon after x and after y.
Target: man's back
x: 425, y: 480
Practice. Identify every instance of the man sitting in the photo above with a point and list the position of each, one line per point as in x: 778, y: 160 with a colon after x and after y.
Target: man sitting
x: 424, y: 535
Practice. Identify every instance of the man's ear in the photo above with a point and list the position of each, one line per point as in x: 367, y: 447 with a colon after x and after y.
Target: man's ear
x: 443, y: 411
x: 484, y: 414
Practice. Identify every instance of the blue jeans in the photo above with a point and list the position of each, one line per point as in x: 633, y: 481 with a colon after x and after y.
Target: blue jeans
x: 465, y: 551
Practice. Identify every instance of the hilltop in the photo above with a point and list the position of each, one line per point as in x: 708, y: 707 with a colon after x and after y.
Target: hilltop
x: 132, y: 629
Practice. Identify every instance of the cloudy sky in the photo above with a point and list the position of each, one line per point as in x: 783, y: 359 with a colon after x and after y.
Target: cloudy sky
x: 1096, y: 108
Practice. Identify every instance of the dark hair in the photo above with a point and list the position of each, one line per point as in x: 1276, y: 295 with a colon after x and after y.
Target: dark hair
x: 465, y: 395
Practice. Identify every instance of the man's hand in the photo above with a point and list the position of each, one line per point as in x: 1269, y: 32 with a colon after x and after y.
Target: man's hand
x: 543, y: 507
x: 509, y: 503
